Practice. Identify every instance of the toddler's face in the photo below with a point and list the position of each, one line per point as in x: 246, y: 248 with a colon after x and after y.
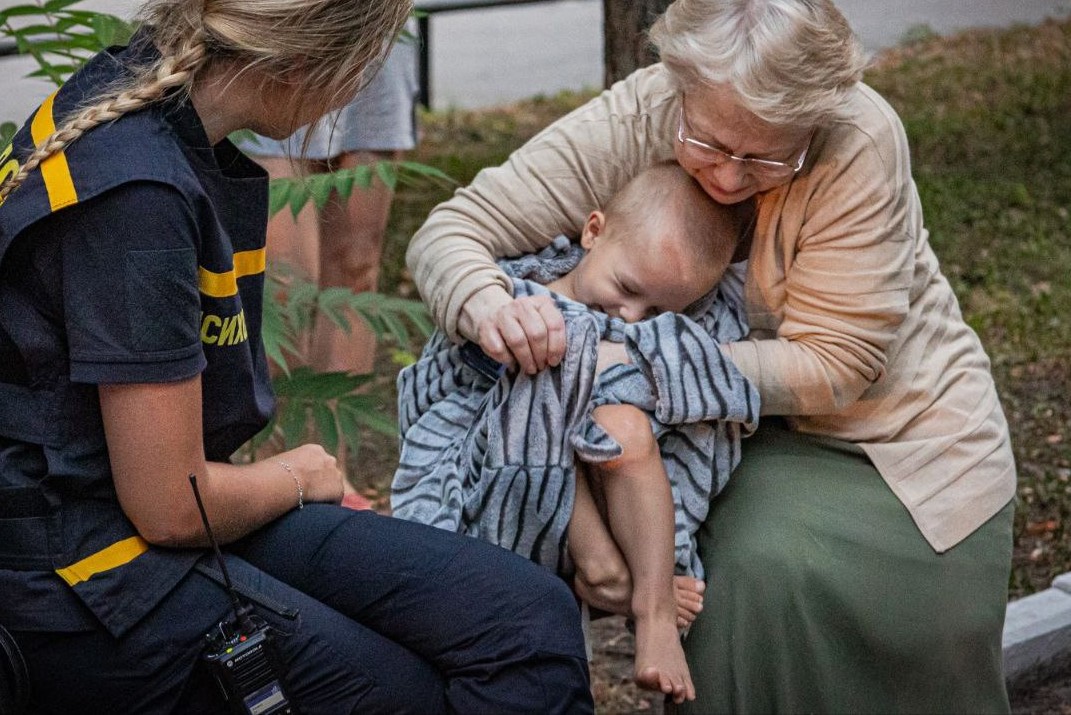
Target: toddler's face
x: 634, y: 274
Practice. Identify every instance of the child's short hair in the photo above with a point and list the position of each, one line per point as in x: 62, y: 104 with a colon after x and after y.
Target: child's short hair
x: 665, y: 193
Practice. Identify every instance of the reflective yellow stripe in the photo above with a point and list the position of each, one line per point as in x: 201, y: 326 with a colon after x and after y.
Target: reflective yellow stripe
x: 223, y: 285
x: 119, y: 553
x: 54, y: 169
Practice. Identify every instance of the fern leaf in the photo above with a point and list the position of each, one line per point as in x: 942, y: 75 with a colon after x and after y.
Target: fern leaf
x: 387, y: 173
x: 320, y: 188
x: 364, y: 411
x: 278, y: 196
x: 292, y: 423
x: 326, y: 426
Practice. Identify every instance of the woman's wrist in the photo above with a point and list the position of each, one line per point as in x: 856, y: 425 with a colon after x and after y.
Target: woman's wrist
x: 300, y: 488
x: 480, y: 306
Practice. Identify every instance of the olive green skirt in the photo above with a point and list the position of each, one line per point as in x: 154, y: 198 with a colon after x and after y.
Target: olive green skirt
x: 823, y: 597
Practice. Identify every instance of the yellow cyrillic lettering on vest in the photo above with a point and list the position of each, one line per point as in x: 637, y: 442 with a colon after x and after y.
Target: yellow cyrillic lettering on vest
x: 230, y: 330
x: 209, y: 322
x: 226, y: 333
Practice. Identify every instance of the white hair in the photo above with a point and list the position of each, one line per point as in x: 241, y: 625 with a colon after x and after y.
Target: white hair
x: 790, y: 62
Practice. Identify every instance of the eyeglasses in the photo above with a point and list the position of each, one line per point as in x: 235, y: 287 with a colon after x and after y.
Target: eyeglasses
x: 764, y: 169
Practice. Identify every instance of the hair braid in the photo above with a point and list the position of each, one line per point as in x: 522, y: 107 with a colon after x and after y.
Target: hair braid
x: 334, y: 43
x: 148, y: 86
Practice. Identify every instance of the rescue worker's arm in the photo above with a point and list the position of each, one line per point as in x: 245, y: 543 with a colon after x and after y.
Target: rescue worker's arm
x: 154, y: 442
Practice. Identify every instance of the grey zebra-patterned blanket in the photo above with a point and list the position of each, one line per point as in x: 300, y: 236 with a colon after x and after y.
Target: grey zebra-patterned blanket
x: 495, y: 458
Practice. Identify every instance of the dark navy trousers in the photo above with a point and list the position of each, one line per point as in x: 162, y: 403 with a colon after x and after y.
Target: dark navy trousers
x: 371, y: 615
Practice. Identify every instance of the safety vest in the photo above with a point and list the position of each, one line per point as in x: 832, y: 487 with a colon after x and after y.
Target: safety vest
x: 87, y: 541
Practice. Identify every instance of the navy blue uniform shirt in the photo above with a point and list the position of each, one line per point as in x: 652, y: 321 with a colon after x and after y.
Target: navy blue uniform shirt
x: 134, y: 256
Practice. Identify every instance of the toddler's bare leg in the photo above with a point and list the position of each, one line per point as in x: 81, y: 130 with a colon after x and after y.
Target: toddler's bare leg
x: 602, y: 576
x: 640, y: 510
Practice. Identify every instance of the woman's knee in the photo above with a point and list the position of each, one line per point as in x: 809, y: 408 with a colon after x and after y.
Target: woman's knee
x: 543, y: 610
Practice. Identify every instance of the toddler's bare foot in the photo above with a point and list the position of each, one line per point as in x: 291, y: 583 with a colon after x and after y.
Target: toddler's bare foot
x: 660, y: 663
x: 689, y: 593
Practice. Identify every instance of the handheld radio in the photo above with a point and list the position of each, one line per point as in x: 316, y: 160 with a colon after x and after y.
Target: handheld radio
x: 240, y: 652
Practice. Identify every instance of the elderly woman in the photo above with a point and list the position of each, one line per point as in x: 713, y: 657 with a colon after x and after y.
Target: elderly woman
x: 859, y: 558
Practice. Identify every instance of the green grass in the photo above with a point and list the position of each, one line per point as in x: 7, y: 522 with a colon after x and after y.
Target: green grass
x: 988, y: 114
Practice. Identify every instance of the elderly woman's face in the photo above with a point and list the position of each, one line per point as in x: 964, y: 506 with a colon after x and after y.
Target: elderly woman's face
x: 732, y: 153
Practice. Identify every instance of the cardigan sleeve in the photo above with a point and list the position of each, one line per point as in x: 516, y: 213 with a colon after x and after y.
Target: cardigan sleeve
x: 546, y: 188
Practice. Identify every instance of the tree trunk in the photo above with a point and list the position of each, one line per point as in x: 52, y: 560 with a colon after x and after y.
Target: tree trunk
x: 625, y: 46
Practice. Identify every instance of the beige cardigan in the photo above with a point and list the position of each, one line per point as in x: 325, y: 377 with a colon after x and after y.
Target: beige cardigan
x: 855, y: 334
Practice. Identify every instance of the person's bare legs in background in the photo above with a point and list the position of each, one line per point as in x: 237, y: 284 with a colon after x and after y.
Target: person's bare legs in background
x: 342, y: 244
x: 351, y: 245
x: 339, y: 246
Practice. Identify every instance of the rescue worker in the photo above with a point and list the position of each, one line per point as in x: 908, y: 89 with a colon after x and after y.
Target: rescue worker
x: 131, y: 277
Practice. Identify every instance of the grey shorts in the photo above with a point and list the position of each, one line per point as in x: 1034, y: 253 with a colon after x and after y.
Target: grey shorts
x: 382, y: 117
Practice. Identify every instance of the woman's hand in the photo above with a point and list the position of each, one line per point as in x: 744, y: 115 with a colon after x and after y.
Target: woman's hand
x: 316, y: 470
x: 526, y: 333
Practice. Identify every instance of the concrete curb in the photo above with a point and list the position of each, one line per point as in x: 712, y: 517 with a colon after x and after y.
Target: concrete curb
x: 1037, y: 634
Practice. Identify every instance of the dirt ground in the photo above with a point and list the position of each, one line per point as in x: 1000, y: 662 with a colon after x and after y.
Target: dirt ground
x: 616, y: 694
x: 1051, y: 696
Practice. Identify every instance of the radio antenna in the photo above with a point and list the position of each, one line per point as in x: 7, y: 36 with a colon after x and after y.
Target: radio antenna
x: 240, y: 612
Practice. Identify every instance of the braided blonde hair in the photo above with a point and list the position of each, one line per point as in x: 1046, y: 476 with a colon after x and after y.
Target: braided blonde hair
x: 331, y: 42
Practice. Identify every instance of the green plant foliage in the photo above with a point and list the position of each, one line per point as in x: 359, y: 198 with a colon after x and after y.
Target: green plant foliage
x: 328, y: 398
x: 60, y: 37
x: 7, y: 132
x: 295, y: 193
x: 917, y: 33
x: 389, y: 317
x: 331, y: 402
x: 292, y: 303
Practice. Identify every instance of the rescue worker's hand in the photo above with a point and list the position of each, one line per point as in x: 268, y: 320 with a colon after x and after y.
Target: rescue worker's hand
x: 317, y: 471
